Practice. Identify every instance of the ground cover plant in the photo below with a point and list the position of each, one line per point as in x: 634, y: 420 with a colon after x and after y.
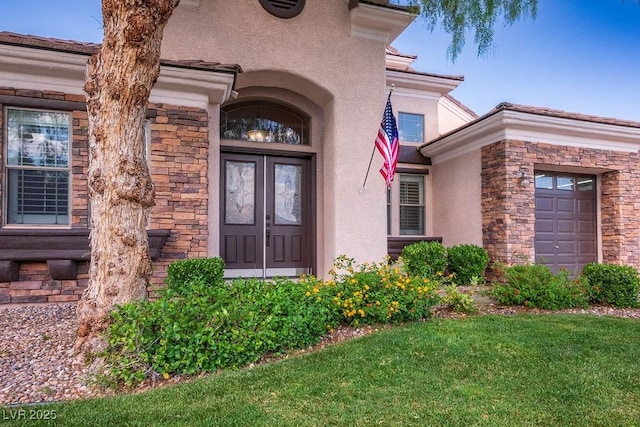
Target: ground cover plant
x: 200, y: 323
x: 525, y: 370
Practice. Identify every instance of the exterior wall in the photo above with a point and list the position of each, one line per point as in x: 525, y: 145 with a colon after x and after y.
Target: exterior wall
x: 179, y: 151
x: 178, y: 163
x: 508, y: 211
x: 450, y: 116
x: 314, y: 57
x: 457, y: 200
x: 35, y: 285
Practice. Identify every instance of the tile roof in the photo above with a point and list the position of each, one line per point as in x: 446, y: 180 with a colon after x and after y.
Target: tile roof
x: 410, y: 70
x: 541, y: 111
x: 83, y: 48
x: 461, y: 105
x: 381, y: 3
x: 561, y: 114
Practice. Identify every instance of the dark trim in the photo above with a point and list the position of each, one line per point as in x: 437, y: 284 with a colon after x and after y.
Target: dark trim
x: 412, y: 155
x: 62, y: 269
x: 9, y: 271
x: 396, y: 244
x: 42, y: 103
x: 51, y: 104
x: 69, y: 243
x: 413, y: 171
x: 266, y: 151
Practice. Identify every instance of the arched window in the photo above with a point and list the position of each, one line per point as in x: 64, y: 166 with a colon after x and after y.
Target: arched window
x: 264, y: 121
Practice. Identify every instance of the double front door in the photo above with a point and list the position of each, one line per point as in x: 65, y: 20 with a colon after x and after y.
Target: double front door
x: 266, y: 222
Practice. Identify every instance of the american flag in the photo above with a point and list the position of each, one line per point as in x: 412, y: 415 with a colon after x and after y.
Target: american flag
x: 387, y: 143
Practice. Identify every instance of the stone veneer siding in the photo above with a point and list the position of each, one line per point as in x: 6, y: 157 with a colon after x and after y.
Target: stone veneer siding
x: 179, y: 152
x: 508, y: 202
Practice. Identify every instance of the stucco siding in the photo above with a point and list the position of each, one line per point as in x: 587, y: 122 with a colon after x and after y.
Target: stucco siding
x: 314, y: 57
x: 456, y: 186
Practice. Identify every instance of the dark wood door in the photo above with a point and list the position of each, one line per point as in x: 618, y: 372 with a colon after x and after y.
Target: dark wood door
x: 565, y: 227
x: 265, y: 215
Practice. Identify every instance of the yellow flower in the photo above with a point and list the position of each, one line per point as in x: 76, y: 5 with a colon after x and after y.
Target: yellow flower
x: 366, y: 287
x: 308, y: 293
x: 361, y: 312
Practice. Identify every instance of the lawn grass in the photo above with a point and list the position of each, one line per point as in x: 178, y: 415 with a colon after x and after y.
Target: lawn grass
x: 542, y: 370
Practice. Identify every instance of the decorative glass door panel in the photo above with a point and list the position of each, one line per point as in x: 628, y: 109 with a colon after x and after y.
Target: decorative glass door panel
x: 240, y: 200
x: 266, y: 213
x: 287, y: 194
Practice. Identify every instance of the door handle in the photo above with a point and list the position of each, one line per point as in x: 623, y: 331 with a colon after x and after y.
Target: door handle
x: 267, y: 237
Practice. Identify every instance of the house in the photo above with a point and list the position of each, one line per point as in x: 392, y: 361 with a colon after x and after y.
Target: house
x: 260, y: 132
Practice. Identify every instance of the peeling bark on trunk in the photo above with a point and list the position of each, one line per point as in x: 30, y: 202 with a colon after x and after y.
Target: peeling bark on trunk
x: 120, y: 76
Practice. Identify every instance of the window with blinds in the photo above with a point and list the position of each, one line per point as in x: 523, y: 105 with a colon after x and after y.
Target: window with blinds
x: 37, y: 167
x: 411, y: 204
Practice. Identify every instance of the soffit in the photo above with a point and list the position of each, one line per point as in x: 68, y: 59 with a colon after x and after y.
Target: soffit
x: 379, y: 21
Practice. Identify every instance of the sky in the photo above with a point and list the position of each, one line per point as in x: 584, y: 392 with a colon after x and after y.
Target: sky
x: 580, y: 56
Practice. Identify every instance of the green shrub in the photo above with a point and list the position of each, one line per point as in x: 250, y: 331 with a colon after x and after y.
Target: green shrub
x: 195, y: 326
x: 468, y: 263
x: 534, y: 285
x: 183, y: 271
x: 458, y: 301
x: 424, y: 259
x: 203, y: 328
x: 617, y: 285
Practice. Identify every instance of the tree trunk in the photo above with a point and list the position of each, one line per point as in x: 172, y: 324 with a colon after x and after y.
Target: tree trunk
x: 120, y: 76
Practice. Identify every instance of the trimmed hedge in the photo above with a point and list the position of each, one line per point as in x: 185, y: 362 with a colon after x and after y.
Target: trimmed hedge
x: 468, y: 263
x: 424, y: 259
x: 184, y: 271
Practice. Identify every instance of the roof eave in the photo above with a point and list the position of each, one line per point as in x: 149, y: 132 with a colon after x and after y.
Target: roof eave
x: 379, y: 22
x: 512, y: 124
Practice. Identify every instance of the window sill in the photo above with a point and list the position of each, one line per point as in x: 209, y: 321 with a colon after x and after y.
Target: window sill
x: 396, y: 244
x: 60, y: 248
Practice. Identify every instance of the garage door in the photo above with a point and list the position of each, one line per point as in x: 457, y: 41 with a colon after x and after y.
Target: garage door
x: 565, y: 228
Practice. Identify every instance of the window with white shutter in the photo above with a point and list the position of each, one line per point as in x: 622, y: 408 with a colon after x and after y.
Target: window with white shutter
x: 411, y: 191
x: 37, y: 167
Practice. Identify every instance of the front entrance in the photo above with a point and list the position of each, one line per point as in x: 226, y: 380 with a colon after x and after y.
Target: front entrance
x: 565, y: 227
x: 266, y: 216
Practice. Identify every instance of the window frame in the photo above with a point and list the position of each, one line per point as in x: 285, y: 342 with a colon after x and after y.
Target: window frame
x: 6, y: 168
x: 394, y: 204
x: 402, y: 127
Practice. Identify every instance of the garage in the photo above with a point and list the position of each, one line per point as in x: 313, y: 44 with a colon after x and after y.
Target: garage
x: 565, y: 220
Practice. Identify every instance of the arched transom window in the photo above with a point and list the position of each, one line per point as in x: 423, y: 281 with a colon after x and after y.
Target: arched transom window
x: 264, y: 121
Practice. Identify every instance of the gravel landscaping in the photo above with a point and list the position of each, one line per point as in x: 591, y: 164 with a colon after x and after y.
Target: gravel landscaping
x: 37, y: 362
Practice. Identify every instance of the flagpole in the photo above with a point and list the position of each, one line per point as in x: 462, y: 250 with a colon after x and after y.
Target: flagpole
x: 373, y: 152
